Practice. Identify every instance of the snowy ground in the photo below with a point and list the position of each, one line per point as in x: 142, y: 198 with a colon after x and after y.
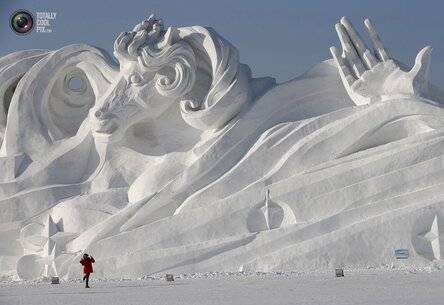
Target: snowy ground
x: 369, y: 287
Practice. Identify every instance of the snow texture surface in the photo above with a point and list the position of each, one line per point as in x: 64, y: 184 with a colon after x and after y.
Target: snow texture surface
x: 180, y: 161
x: 365, y: 288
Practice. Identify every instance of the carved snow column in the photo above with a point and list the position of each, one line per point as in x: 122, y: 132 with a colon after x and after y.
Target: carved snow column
x: 270, y: 214
x: 428, y: 242
x: 49, y: 249
x: 43, y: 244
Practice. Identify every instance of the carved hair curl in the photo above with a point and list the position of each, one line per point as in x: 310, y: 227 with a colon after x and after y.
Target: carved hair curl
x: 186, y: 50
x: 156, y: 49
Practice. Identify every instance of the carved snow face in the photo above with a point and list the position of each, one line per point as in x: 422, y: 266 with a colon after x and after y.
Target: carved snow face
x: 156, y: 69
x: 159, y: 66
x: 131, y: 98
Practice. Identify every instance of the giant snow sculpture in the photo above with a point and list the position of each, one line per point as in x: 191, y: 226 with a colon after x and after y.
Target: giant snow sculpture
x: 179, y: 160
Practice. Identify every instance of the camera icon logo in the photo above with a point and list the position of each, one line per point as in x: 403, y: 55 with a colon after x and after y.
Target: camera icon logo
x: 22, y: 22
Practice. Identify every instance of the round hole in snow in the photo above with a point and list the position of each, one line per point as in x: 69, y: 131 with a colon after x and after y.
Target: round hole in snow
x: 76, y: 83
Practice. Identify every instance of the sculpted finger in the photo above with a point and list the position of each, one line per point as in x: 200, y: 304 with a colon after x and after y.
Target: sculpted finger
x: 379, y: 46
x: 346, y: 75
x: 422, y: 61
x: 369, y: 59
x: 421, y: 70
x: 366, y: 56
x: 118, y: 40
x: 349, y: 51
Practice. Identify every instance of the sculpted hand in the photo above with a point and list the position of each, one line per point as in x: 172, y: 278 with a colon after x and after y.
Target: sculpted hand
x: 371, y: 75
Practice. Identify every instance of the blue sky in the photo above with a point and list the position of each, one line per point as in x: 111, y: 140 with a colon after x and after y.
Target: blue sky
x: 278, y: 38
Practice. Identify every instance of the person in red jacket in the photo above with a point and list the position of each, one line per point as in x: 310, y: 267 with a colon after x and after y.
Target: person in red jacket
x: 87, y: 262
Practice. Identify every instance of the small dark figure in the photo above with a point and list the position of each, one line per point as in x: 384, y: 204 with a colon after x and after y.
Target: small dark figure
x: 87, y: 262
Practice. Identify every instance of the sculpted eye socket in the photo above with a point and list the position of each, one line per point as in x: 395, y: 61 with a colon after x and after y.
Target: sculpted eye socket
x: 135, y: 79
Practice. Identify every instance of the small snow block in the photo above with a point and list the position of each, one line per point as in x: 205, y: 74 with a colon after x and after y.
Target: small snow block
x: 339, y: 272
x: 55, y: 280
x: 402, y: 253
x: 169, y: 278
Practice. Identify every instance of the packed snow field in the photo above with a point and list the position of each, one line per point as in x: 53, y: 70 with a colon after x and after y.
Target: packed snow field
x: 357, y: 287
